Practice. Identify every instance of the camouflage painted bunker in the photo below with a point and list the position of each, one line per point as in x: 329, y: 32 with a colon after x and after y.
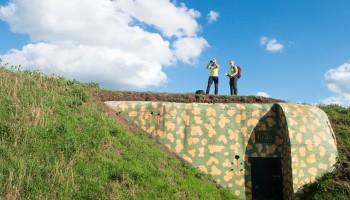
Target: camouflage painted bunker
x: 255, y: 150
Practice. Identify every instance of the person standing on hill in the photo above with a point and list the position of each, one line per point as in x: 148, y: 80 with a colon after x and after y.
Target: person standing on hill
x: 233, y: 75
x: 214, y: 71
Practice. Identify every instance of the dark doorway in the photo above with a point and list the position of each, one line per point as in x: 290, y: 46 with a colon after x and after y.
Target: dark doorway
x: 266, y: 178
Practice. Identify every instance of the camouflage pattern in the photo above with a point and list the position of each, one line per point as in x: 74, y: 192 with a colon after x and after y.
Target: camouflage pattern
x: 219, y: 138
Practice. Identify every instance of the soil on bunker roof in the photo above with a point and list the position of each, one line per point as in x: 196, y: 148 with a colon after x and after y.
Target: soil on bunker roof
x: 108, y: 95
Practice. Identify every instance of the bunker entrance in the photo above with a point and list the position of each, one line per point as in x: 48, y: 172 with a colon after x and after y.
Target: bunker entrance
x: 266, y: 178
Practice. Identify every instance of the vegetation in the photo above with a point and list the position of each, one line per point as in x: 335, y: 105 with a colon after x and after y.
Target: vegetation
x: 335, y: 185
x: 57, y: 142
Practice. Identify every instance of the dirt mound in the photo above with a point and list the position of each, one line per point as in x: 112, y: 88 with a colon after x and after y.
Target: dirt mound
x: 107, y: 95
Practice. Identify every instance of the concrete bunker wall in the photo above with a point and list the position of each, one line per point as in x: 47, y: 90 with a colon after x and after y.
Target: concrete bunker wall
x: 220, y: 139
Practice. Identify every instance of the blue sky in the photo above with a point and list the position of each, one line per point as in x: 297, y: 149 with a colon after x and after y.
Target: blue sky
x: 297, y: 51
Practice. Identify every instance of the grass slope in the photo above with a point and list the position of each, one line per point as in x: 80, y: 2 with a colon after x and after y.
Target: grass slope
x: 335, y: 185
x: 57, y: 142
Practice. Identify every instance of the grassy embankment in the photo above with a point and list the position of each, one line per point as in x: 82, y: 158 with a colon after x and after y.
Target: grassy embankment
x: 335, y: 185
x: 57, y: 142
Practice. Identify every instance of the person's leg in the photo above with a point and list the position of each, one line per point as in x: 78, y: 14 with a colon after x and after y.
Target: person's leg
x: 210, y: 81
x: 216, y: 83
x: 235, y: 85
x: 231, y: 86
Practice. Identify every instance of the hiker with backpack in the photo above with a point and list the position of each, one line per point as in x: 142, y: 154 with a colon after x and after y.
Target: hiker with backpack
x: 214, y: 68
x: 234, y: 75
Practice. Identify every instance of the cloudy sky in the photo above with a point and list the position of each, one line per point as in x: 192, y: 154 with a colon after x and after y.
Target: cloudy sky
x: 292, y: 50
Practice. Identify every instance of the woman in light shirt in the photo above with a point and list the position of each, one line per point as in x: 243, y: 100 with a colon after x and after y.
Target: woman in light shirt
x: 214, y: 68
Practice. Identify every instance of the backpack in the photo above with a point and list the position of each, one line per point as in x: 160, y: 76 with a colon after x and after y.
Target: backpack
x: 239, y: 71
x: 200, y: 92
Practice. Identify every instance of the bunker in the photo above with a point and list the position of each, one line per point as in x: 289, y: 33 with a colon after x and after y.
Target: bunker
x: 258, y: 151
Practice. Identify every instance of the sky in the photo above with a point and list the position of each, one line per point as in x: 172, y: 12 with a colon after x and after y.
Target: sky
x: 294, y: 50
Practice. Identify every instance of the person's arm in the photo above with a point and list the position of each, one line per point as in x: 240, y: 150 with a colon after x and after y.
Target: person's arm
x: 208, y: 65
x: 212, y: 65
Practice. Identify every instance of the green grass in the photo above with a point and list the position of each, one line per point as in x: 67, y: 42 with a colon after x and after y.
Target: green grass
x: 335, y: 185
x: 57, y: 142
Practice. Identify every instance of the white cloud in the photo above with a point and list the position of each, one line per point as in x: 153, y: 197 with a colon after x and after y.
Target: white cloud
x: 338, y: 81
x: 271, y: 44
x: 89, y: 63
x: 188, y: 48
x: 170, y: 20
x: 342, y: 100
x: 110, y: 42
x: 263, y: 94
x: 212, y: 16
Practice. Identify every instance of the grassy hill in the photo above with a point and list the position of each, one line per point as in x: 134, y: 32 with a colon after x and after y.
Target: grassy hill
x: 57, y: 141
x: 335, y: 185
